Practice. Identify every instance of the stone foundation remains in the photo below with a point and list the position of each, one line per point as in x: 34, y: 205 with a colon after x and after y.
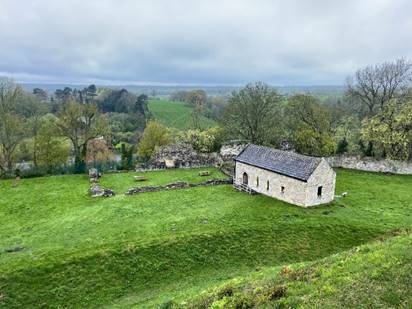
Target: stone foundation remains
x: 178, y: 185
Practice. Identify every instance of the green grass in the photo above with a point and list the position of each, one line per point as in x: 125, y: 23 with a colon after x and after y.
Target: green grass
x: 143, y: 250
x: 120, y: 182
x: 176, y: 114
x: 376, y: 275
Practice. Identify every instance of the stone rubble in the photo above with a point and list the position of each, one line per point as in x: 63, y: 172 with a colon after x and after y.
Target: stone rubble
x: 95, y: 189
x: 178, y: 185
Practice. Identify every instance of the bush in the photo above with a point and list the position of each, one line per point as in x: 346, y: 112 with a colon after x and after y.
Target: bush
x: 342, y: 146
x: 154, y: 135
x: 277, y: 292
x: 204, y: 141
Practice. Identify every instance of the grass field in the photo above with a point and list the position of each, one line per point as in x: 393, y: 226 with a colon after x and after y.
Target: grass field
x: 176, y: 114
x: 61, y: 248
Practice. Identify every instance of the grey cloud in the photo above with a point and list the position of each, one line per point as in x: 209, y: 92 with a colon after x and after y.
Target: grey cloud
x: 213, y: 42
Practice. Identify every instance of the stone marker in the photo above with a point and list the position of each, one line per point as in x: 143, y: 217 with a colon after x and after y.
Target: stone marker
x: 93, y: 175
x: 140, y: 178
x: 204, y: 173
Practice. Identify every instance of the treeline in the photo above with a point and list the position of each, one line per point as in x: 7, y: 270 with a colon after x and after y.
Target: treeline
x: 373, y: 118
x: 49, y: 130
x: 78, y: 127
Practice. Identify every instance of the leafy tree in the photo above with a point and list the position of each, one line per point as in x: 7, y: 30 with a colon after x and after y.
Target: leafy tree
x: 310, y: 125
x: 90, y: 93
x: 118, y: 101
x: 348, y: 129
x: 204, y: 141
x: 252, y: 113
x: 40, y: 94
x: 342, y: 146
x: 141, y: 105
x: 127, y: 156
x: 313, y: 143
x: 81, y: 123
x: 390, y: 131
x: 34, y: 110
x: 64, y: 95
x: 51, y: 149
x: 154, y: 135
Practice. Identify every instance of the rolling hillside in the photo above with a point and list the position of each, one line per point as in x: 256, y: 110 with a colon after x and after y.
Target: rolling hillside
x: 176, y: 114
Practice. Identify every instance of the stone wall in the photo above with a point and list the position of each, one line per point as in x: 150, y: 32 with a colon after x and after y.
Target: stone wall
x: 371, y: 165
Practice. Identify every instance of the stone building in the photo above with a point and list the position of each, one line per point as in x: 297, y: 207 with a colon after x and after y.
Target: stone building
x: 288, y: 176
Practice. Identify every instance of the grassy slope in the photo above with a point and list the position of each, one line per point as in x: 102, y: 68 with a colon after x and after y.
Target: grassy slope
x: 377, y: 275
x: 176, y: 114
x: 146, y: 249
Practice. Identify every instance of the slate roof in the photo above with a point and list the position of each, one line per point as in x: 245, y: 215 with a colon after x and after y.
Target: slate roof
x: 282, y: 162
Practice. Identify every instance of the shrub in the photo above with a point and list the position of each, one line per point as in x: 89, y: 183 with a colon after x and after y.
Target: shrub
x: 342, y: 146
x: 225, y: 291
x: 276, y: 292
x: 154, y: 135
x: 204, y: 141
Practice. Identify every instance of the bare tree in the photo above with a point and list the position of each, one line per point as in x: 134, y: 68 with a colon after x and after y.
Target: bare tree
x: 197, y: 98
x: 11, y: 131
x: 374, y: 86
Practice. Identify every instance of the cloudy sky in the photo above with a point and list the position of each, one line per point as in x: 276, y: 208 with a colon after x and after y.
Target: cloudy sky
x: 231, y: 42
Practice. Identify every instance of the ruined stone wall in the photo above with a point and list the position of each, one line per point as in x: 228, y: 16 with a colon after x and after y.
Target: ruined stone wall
x: 180, y: 156
x: 371, y: 165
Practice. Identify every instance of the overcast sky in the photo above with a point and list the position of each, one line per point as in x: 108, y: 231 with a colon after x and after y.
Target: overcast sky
x: 293, y: 42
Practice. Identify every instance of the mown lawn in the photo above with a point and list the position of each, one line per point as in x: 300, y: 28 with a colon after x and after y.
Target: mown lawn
x: 176, y: 114
x: 61, y: 248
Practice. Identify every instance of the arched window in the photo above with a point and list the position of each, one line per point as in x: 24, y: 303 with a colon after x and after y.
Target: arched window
x: 267, y: 185
x: 245, y: 178
x: 257, y: 181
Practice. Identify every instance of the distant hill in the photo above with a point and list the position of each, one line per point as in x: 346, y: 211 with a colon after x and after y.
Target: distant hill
x: 176, y: 114
x: 156, y: 90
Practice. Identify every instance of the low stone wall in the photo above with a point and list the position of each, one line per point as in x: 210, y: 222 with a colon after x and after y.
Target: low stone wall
x: 178, y: 185
x: 371, y: 165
